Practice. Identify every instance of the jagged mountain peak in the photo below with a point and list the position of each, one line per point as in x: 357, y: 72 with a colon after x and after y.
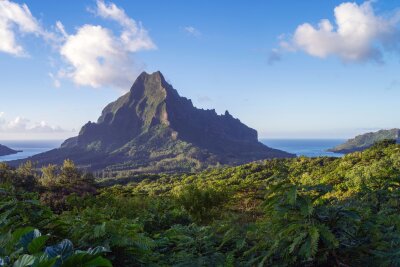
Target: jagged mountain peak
x: 155, y: 76
x: 147, y: 94
x: 145, y: 81
x: 152, y: 85
x: 152, y: 125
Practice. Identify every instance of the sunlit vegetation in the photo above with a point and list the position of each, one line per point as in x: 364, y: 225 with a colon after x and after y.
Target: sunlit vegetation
x: 293, y: 212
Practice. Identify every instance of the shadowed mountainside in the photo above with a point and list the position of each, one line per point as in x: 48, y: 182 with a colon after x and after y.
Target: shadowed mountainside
x: 153, y: 129
x: 4, y: 151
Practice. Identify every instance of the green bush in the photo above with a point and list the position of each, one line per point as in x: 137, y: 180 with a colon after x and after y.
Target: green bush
x: 293, y: 212
x: 27, y: 247
x: 202, y: 204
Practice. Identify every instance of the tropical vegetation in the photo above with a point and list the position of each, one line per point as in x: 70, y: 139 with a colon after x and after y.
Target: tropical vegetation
x: 282, y: 212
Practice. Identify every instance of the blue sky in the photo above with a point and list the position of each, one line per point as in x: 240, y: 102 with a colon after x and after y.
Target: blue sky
x: 256, y: 59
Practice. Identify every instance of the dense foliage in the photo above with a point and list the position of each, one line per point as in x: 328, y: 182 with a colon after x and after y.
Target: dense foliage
x: 301, y: 212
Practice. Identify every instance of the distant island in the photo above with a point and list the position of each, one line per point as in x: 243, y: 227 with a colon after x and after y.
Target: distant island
x: 364, y: 141
x: 5, y: 151
x: 153, y: 129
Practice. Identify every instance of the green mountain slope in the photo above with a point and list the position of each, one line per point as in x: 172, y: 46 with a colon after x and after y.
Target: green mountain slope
x: 153, y: 129
x: 364, y: 141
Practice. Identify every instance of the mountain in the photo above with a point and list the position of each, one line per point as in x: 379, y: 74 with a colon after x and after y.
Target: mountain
x: 364, y: 141
x: 153, y: 129
x: 4, y: 151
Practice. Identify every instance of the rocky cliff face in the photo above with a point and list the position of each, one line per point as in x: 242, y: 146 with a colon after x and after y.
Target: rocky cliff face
x: 152, y: 128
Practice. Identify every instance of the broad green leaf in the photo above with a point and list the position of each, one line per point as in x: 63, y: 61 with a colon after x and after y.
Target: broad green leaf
x: 64, y: 249
x: 25, y: 260
x: 20, y: 232
x: 27, y: 238
x: 44, y: 261
x: 37, y: 244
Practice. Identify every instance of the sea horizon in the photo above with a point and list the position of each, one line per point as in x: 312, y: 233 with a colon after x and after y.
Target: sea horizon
x: 309, y: 147
x: 28, y: 148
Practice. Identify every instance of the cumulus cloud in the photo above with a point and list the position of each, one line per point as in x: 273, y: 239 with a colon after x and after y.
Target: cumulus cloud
x: 92, y: 56
x: 23, y: 125
x: 192, y: 31
x: 134, y: 36
x: 97, y: 57
x: 359, y: 35
x: 17, y: 20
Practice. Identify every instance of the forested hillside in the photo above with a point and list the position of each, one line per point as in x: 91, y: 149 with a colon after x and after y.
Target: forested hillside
x: 364, y: 141
x: 283, y: 212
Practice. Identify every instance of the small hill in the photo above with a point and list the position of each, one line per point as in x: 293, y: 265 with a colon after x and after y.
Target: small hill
x: 4, y: 151
x: 364, y: 141
x: 153, y: 129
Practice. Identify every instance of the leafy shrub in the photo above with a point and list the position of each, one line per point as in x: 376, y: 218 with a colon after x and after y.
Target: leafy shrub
x: 202, y: 204
x: 294, y: 212
x: 27, y: 247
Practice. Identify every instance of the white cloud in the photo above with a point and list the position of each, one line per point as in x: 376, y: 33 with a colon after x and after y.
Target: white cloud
x: 2, y: 120
x: 23, y: 125
x: 192, y: 31
x: 97, y: 57
x: 17, y: 125
x: 134, y: 36
x: 60, y: 28
x: 94, y: 56
x: 17, y: 19
x: 43, y: 127
x: 359, y: 35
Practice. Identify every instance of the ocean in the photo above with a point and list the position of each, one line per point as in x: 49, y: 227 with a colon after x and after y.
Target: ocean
x: 29, y: 148
x: 300, y: 147
x: 305, y: 147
